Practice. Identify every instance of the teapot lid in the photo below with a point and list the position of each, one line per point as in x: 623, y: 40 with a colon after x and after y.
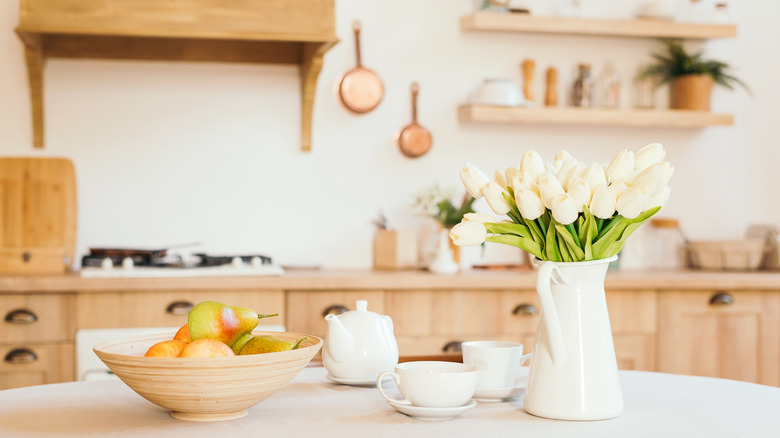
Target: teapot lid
x: 361, y: 305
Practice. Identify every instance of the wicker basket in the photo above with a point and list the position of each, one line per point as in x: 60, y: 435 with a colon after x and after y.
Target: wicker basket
x: 738, y: 255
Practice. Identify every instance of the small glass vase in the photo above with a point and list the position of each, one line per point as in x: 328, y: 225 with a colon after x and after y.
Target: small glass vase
x: 443, y: 262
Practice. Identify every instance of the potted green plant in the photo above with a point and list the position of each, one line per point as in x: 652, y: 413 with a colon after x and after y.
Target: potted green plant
x: 689, y: 75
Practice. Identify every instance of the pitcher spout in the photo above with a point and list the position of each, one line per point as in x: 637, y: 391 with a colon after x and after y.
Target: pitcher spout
x: 340, y: 342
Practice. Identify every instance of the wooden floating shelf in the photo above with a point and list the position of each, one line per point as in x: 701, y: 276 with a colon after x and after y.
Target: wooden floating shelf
x: 271, y: 31
x: 640, y: 28
x: 634, y: 118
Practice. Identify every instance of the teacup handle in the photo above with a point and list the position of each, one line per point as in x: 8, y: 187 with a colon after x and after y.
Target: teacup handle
x: 382, y: 391
x: 525, y: 358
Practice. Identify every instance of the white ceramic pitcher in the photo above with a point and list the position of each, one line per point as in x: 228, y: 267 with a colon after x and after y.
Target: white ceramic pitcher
x: 574, y: 374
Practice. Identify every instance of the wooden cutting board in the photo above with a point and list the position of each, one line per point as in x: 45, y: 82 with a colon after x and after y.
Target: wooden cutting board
x: 37, y: 215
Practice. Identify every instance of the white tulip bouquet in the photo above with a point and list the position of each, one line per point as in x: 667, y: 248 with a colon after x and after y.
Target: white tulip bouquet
x: 567, y: 211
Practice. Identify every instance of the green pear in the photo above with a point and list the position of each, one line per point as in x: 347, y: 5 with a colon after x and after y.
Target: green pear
x: 211, y: 319
x: 240, y: 342
x: 268, y: 344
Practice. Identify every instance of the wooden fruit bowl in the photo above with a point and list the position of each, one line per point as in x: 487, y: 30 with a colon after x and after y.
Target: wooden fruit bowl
x: 205, y: 389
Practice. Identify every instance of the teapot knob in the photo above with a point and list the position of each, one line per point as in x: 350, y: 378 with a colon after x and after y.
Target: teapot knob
x: 361, y: 305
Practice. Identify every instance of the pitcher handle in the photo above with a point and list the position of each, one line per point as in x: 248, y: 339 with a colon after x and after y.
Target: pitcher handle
x: 549, y: 311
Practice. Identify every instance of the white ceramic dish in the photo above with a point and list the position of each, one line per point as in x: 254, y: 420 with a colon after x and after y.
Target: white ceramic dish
x: 498, y: 394
x: 351, y: 382
x: 422, y: 413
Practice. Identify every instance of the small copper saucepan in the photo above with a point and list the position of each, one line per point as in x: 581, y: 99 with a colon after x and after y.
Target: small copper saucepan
x: 360, y: 89
x: 414, y: 140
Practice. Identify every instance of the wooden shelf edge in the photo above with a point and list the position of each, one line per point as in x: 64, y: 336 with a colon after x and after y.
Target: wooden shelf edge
x: 634, y: 118
x: 639, y: 28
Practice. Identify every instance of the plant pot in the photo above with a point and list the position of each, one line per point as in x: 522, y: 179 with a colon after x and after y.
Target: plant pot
x: 691, y: 92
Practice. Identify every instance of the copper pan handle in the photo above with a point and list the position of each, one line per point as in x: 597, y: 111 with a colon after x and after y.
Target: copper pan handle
x: 415, y: 92
x: 356, y: 28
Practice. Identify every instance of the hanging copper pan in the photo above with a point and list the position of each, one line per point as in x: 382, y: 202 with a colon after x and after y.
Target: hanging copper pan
x: 414, y: 140
x: 360, y: 89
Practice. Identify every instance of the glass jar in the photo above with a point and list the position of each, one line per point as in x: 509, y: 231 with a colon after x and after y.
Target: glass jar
x: 610, y: 87
x: 582, y: 91
x: 668, y: 244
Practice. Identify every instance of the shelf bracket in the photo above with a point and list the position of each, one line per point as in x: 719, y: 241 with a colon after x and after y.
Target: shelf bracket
x: 35, y: 60
x: 311, y: 65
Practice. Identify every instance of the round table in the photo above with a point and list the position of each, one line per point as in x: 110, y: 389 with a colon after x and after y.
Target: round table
x: 656, y: 405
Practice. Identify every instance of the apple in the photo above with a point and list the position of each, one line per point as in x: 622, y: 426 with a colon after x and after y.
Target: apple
x: 206, y: 347
x: 170, y: 348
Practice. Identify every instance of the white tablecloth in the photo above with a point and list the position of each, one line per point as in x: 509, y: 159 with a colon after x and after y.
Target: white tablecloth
x: 656, y: 405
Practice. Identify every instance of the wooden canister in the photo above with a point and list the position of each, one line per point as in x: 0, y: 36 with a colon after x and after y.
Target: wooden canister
x: 691, y: 92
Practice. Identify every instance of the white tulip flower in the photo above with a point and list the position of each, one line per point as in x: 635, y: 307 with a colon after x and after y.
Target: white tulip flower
x: 524, y: 180
x: 580, y: 193
x: 575, y: 173
x: 532, y: 163
x: 511, y: 172
x: 564, y: 209
x: 529, y: 203
x: 566, y: 168
x: 494, y: 195
x: 620, y: 186
x: 479, y: 217
x: 660, y: 198
x: 500, y: 179
x: 473, y: 179
x: 594, y: 175
x: 632, y: 202
x: 468, y: 233
x: 602, y: 204
x: 549, y: 188
x: 622, y: 166
x: 556, y: 164
x: 650, y: 179
x: 647, y: 156
x: 563, y: 156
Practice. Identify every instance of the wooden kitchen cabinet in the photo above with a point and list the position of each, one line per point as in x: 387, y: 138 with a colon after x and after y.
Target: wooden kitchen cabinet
x: 167, y: 309
x: 36, y: 339
x: 729, y: 334
x: 632, y: 315
x: 434, y: 322
x: 306, y: 310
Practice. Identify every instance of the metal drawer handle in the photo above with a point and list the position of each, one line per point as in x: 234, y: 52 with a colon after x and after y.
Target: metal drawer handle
x: 452, y: 347
x: 525, y: 310
x: 179, y: 308
x: 21, y: 316
x: 21, y: 356
x: 26, y: 257
x: 336, y: 309
x: 721, y: 299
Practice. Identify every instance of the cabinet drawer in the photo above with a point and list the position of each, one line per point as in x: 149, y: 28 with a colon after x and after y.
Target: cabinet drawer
x: 632, y: 311
x: 36, y: 364
x: 167, y: 309
x: 485, y: 314
x: 306, y: 310
x: 37, y: 317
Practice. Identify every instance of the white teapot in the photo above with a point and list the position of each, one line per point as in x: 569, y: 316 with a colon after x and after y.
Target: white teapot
x: 360, y: 344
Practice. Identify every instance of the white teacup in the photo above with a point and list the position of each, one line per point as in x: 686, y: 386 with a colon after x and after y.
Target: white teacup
x: 432, y: 384
x: 498, y: 362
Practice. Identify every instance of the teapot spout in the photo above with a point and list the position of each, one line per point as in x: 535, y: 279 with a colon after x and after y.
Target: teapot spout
x: 340, y: 342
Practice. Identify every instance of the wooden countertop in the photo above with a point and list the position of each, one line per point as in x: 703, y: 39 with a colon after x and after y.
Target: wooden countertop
x: 394, y: 280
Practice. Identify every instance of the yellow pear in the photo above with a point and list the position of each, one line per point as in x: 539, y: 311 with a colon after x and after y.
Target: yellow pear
x: 268, y: 344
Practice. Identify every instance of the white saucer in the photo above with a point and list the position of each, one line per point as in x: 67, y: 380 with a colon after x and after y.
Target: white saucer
x: 351, y: 382
x: 498, y: 394
x: 422, y: 413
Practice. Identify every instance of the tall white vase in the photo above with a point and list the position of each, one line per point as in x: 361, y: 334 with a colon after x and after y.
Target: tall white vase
x: 574, y: 374
x: 443, y: 263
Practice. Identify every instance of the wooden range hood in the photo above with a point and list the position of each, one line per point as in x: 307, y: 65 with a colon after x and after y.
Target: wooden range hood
x: 257, y: 31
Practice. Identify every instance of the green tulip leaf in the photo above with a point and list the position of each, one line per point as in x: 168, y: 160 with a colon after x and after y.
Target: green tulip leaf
x: 506, y: 228
x: 523, y: 243
x: 573, y: 249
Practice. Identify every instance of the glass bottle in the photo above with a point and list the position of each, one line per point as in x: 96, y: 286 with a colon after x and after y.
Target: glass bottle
x: 582, y: 91
x: 610, y: 87
x: 645, y: 92
x: 669, y: 244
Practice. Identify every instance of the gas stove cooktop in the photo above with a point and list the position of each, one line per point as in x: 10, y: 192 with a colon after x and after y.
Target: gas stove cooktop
x: 125, y: 263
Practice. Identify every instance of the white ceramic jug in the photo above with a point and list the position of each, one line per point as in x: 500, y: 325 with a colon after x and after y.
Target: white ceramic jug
x: 574, y: 374
x: 359, y: 344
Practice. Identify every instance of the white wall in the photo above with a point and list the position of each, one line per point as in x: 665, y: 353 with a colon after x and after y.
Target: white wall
x: 177, y: 152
